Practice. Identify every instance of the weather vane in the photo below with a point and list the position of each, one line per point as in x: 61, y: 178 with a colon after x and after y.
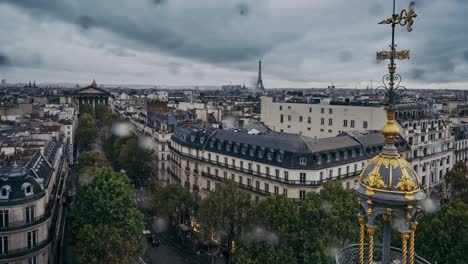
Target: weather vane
x: 391, y: 82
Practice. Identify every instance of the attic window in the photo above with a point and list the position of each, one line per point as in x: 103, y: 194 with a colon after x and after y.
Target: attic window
x: 27, y: 188
x: 302, y: 161
x: 192, y: 138
x: 244, y: 150
x: 202, y: 140
x: 269, y: 155
x: 279, y: 158
x: 212, y: 144
x: 252, y: 152
x: 260, y: 153
x: 228, y: 147
x: 5, y: 192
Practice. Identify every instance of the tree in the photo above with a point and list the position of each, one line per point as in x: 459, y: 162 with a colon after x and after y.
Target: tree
x: 272, y: 232
x: 456, y: 181
x: 224, y: 211
x: 87, y: 109
x: 174, y: 198
x: 91, y: 159
x: 108, y: 203
x: 86, y: 133
x: 134, y: 160
x: 442, y: 237
x: 104, y: 115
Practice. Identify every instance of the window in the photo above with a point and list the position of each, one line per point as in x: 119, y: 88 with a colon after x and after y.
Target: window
x: 289, y: 117
x: 330, y: 173
x: 310, y: 109
x: 279, y: 158
x: 300, y: 119
x: 345, y: 123
x: 250, y: 167
x: 240, y: 180
x: 249, y: 182
x: 302, y: 177
x: 225, y: 175
x: 32, y: 238
x: 267, y: 170
x: 330, y: 111
x: 309, y: 120
x: 257, y: 199
x: 289, y: 107
x: 322, y: 121
x: 216, y: 172
x: 244, y: 150
x: 260, y: 154
x: 5, y: 192
x: 286, y: 176
x: 3, y: 245
x: 233, y: 177
x: 32, y: 260
x: 285, y: 192
x: 330, y: 122
x: 281, y: 118
x: 4, y: 218
x: 364, y: 124
x: 258, y: 169
x: 302, y: 161
x: 269, y: 155
x: 27, y: 188
x: 277, y: 173
x: 276, y: 190
x: 352, y: 123
x: 225, y: 161
x: 321, y: 175
x: 267, y: 187
x: 355, y: 167
x: 322, y: 110
x: 209, y: 156
x: 236, y: 149
x: 302, y: 194
x: 339, y: 171
x: 208, y: 185
x: 281, y: 107
x: 252, y: 152
x: 257, y: 185
x: 241, y: 165
x: 30, y: 213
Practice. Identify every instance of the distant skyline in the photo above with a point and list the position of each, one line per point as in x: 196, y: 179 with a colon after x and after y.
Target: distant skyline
x: 301, y: 43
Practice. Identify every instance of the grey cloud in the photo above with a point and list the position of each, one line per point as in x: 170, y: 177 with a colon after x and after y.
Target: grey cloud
x: 4, y: 60
x: 465, y: 55
x: 242, y: 9
x: 85, y: 22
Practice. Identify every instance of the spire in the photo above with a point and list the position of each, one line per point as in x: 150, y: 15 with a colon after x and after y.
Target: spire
x: 94, y: 84
x: 259, y: 80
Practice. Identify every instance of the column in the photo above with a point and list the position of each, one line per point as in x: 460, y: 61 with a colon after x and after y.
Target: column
x: 371, y: 232
x: 362, y: 220
x: 386, y: 239
x: 411, y: 249
x: 404, y: 248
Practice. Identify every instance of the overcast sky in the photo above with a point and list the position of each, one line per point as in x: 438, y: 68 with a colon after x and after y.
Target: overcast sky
x: 302, y: 43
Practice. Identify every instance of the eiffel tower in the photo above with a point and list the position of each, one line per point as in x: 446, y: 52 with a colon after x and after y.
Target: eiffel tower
x: 259, y: 81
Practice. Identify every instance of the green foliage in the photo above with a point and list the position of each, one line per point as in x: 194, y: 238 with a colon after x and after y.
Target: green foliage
x: 86, y: 109
x: 104, y: 115
x: 126, y: 154
x: 91, y: 159
x: 224, y: 211
x: 106, y: 213
x: 87, y: 132
x: 174, y: 201
x: 305, y: 231
x: 272, y: 232
x: 443, y: 236
x: 457, y: 182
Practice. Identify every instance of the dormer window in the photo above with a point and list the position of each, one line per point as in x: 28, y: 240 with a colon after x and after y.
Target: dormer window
x: 260, y: 153
x: 279, y: 158
x: 27, y: 188
x: 228, y: 147
x: 212, y: 144
x: 244, y: 150
x: 269, y: 156
x: 302, y: 161
x: 236, y: 149
x: 5, y: 194
x: 220, y: 145
x: 192, y: 138
x: 202, y: 140
x: 252, y: 152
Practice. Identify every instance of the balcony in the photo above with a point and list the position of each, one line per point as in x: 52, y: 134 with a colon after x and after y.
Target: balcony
x: 23, y: 224
x: 350, y: 254
x: 196, y: 188
x: 16, y: 253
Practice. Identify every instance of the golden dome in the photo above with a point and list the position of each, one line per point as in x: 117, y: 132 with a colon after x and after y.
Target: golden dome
x: 388, y: 172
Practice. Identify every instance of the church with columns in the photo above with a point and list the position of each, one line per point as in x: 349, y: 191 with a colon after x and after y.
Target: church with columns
x: 92, y: 95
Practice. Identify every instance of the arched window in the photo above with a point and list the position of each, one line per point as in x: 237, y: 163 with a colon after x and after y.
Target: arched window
x: 27, y: 188
x: 302, y: 160
x: 5, y: 193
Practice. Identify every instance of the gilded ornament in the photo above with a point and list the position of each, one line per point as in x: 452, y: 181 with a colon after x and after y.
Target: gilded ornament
x: 406, y: 183
x: 374, y: 180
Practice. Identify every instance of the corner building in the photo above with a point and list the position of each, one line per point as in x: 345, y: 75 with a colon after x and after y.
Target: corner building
x: 270, y: 163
